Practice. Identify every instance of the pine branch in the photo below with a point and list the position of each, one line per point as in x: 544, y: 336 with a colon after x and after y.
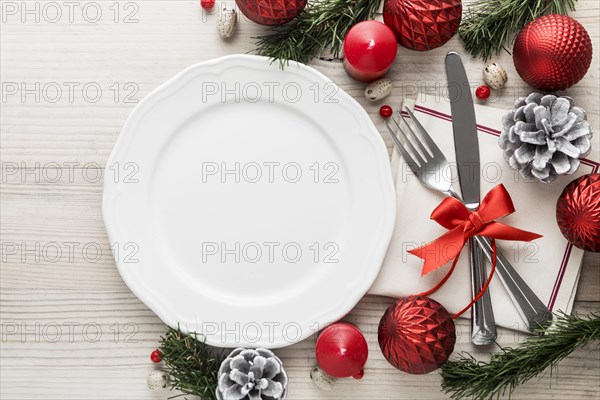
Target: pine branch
x: 191, y: 363
x: 489, y: 24
x: 469, y: 378
x: 322, y: 25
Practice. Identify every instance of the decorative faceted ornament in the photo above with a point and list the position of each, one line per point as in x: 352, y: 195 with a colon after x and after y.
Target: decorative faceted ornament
x: 157, y: 380
x: 226, y: 21
x: 379, y: 89
x: 271, y: 12
x: 252, y: 374
x: 545, y: 136
x: 553, y: 52
x: 369, y: 50
x: 416, y: 334
x: 342, y: 351
x: 495, y: 76
x: 422, y: 24
x: 578, y: 212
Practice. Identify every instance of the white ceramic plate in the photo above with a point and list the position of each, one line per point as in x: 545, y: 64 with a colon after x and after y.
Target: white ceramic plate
x: 247, y: 203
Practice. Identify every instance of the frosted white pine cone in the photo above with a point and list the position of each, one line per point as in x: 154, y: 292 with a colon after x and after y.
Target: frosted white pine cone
x: 248, y: 374
x: 545, y: 136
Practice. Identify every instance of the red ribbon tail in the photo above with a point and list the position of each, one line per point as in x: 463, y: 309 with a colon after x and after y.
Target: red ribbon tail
x: 500, y: 231
x: 440, y: 251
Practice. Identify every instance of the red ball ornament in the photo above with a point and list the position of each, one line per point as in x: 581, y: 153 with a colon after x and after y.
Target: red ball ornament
x: 270, y: 12
x: 423, y: 24
x: 482, y: 92
x: 386, y: 111
x: 342, y: 351
x: 156, y: 356
x: 578, y: 212
x: 553, y: 52
x: 416, y: 334
x: 369, y: 50
x: 207, y: 4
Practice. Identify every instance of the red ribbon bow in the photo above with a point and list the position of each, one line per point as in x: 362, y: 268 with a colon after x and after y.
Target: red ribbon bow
x: 464, y: 224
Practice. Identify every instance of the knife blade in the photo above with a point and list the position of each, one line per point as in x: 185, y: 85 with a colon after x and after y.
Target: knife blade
x: 466, y: 145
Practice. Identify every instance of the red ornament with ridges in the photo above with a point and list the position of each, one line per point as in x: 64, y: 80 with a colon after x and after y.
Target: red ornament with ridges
x: 578, y: 212
x: 422, y: 24
x: 270, y: 12
x: 416, y: 334
x: 553, y: 52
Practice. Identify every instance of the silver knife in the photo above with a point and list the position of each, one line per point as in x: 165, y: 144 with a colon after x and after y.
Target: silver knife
x: 466, y: 146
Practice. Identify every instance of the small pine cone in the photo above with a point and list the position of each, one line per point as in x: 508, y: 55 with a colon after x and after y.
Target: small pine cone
x: 252, y: 375
x: 545, y: 136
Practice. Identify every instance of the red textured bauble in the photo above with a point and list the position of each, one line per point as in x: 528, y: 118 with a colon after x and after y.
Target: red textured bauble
x: 578, y: 212
x: 482, y: 92
x: 386, y: 111
x: 156, y: 356
x: 270, y: 12
x: 422, y: 24
x: 416, y: 334
x: 207, y: 4
x: 553, y: 52
x: 369, y: 50
x: 342, y: 350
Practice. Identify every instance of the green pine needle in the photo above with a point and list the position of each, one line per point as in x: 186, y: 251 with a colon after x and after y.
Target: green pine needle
x: 191, y: 363
x: 322, y: 25
x: 472, y: 379
x: 489, y: 24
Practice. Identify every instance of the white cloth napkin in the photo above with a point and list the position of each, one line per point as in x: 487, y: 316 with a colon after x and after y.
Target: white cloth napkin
x: 549, y: 265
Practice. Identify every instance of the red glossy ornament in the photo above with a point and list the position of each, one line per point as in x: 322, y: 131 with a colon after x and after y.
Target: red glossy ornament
x: 416, y: 334
x: 156, y: 356
x: 553, y: 52
x: 270, y: 12
x: 342, y: 350
x: 423, y: 24
x: 578, y: 212
x: 482, y: 92
x: 369, y: 50
x: 207, y: 4
x: 386, y: 111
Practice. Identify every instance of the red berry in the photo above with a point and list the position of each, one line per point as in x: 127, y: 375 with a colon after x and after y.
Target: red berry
x: 386, y: 111
x: 207, y: 4
x: 482, y: 92
x: 156, y: 356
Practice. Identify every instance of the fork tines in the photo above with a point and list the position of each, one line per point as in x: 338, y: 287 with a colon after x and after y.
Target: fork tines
x: 416, y: 150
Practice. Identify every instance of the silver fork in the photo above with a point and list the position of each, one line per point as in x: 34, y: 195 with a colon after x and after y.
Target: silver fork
x: 428, y: 167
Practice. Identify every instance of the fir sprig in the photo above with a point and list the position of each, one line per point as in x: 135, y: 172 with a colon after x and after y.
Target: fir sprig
x: 322, y: 25
x: 489, y: 24
x: 472, y: 379
x: 191, y: 363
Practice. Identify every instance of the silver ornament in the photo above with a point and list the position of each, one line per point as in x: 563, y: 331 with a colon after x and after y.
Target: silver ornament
x: 545, y: 136
x: 226, y: 21
x: 379, y: 89
x: 322, y: 379
x: 157, y: 380
x: 495, y: 76
x: 252, y: 375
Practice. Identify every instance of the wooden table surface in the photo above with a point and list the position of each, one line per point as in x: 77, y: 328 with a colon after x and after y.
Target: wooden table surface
x: 71, y: 73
